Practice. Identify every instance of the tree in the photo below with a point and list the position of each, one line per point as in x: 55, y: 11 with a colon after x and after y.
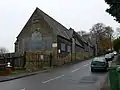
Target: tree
x: 116, y: 44
x: 103, y: 36
x: 97, y: 29
x: 109, y: 31
x: 96, y: 34
x: 105, y: 44
x: 114, y: 9
x: 3, y: 50
x: 118, y: 32
x: 109, y: 35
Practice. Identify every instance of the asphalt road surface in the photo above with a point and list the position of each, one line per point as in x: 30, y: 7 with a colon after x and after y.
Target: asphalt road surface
x: 70, y: 77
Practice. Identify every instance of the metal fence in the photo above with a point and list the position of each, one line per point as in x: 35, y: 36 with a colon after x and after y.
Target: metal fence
x: 17, y: 60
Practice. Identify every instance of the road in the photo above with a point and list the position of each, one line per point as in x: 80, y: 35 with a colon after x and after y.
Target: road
x: 70, y: 77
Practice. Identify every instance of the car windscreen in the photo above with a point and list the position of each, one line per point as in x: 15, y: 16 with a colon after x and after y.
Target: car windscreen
x: 99, y: 59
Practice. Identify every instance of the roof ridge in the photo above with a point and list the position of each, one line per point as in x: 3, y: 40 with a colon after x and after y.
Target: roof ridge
x: 55, y: 21
x: 52, y: 18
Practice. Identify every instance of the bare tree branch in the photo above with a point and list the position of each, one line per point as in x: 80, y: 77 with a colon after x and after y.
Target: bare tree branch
x: 81, y: 33
x: 3, y: 50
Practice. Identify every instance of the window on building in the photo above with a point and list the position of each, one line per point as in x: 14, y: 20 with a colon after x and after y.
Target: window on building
x: 37, y: 42
x: 62, y: 46
x: 48, y: 44
x: 36, y: 36
x: 69, y: 48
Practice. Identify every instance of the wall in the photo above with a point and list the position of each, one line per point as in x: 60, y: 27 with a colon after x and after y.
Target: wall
x: 64, y: 56
x: 64, y: 46
x: 79, y: 52
x: 37, y: 60
x: 37, y: 43
x: 36, y: 35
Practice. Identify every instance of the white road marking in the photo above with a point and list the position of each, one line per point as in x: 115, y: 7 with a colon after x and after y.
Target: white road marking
x: 86, y: 65
x: 53, y: 79
x: 75, y: 70
x: 22, y: 89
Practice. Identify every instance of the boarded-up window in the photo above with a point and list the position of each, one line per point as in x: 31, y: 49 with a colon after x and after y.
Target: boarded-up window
x: 47, y: 42
x: 62, y: 46
x: 69, y: 48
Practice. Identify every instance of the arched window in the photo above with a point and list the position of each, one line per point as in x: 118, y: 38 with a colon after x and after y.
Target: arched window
x: 36, y: 36
x: 36, y: 41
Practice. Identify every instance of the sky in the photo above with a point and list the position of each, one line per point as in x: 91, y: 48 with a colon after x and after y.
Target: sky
x: 78, y: 14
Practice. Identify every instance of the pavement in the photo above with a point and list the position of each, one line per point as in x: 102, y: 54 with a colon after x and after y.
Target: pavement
x: 106, y: 85
x: 20, y: 75
x: 69, y: 77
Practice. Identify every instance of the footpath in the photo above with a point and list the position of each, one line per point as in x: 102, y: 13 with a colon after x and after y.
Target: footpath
x: 20, y: 75
x: 106, y: 85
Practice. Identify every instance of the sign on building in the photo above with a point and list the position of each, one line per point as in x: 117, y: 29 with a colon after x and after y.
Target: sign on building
x: 54, y: 45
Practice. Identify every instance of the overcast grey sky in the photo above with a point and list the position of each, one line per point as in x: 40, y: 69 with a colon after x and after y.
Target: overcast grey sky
x: 78, y: 14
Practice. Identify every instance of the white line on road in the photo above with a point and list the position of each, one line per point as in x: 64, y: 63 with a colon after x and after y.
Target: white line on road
x: 86, y: 65
x: 75, y: 70
x: 22, y: 89
x: 53, y: 79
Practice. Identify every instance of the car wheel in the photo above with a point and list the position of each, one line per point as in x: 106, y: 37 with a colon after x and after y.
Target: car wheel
x: 92, y: 70
x: 106, y: 69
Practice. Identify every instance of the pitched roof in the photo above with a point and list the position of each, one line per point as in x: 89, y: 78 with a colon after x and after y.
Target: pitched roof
x: 58, y: 28
x: 78, y: 40
x: 86, y: 37
x: 80, y: 37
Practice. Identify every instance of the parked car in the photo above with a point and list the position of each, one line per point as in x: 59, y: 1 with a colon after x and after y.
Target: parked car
x: 99, y: 63
x: 115, y: 53
x: 112, y: 55
x: 108, y: 57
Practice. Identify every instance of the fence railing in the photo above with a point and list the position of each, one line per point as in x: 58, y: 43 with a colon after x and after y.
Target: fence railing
x: 16, y: 60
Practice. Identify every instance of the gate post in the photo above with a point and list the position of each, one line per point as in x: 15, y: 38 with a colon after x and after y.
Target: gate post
x: 51, y: 59
x: 24, y: 59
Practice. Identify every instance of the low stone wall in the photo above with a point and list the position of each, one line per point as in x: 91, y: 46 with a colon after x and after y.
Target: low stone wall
x: 37, y: 60
x: 79, y: 56
x: 63, y: 60
x: 40, y: 59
